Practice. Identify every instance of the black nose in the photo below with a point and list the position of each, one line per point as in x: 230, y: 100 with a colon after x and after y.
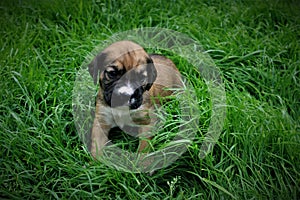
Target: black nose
x: 136, y: 99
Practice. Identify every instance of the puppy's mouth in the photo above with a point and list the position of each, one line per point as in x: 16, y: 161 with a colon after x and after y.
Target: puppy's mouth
x: 126, y: 96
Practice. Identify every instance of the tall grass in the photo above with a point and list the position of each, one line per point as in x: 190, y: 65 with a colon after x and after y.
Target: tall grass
x: 254, y: 43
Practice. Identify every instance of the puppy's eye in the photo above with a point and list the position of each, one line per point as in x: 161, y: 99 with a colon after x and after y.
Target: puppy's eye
x: 112, y: 74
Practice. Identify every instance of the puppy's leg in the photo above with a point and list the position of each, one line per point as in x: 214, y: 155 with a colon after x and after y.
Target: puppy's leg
x: 99, y: 138
x: 144, y: 145
x: 100, y: 130
x: 146, y: 135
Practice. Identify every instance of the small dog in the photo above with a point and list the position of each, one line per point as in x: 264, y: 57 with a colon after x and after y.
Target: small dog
x: 130, y: 79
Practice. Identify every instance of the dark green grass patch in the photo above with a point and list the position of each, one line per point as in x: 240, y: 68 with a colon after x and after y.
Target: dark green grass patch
x: 254, y: 43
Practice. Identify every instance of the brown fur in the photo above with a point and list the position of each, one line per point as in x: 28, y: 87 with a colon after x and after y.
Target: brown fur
x: 133, y: 57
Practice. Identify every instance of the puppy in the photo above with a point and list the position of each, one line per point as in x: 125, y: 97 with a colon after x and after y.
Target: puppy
x: 129, y: 79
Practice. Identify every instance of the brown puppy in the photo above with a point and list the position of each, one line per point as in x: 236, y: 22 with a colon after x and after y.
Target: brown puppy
x: 130, y: 79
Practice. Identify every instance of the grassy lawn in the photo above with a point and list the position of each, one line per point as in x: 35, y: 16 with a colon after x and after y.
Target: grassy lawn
x: 255, y: 44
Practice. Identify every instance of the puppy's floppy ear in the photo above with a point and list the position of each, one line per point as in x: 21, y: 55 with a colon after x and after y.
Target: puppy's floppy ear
x: 151, y: 72
x: 96, y: 65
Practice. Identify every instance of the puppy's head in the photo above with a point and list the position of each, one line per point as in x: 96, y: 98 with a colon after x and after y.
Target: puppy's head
x: 125, y: 72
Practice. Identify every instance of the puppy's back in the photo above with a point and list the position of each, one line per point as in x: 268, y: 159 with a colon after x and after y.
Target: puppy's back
x: 168, y: 75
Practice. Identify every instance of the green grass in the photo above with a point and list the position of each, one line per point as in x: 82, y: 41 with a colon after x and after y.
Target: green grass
x: 254, y: 43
